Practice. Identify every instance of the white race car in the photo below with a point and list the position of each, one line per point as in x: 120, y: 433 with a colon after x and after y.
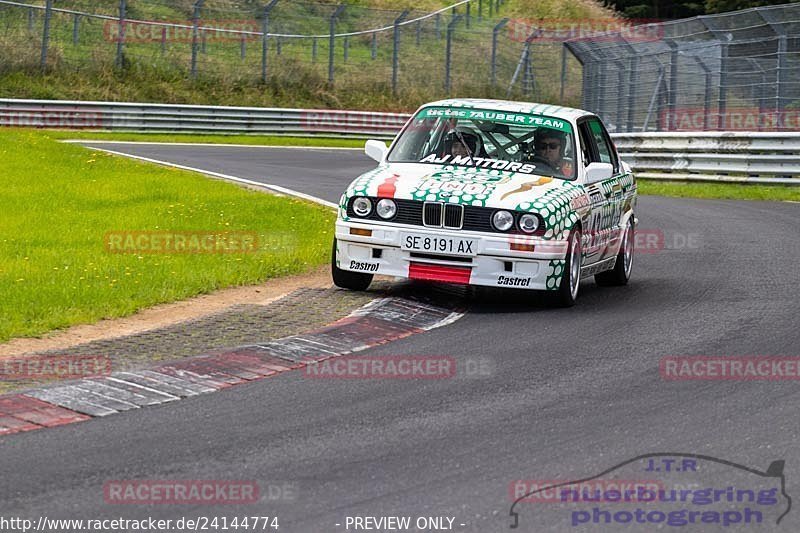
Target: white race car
x: 493, y: 193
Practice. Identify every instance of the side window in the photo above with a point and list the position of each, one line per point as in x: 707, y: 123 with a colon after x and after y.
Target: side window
x: 605, y: 149
x: 587, y: 148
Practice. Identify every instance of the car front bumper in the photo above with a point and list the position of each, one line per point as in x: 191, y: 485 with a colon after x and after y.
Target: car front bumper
x: 494, y: 263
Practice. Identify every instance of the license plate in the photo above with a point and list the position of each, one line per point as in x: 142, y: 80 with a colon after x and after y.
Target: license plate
x: 416, y: 242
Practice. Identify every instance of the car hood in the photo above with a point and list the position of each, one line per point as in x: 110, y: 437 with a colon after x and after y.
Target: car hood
x: 464, y: 185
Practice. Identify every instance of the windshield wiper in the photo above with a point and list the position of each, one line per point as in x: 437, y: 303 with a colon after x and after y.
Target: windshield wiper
x: 464, y: 144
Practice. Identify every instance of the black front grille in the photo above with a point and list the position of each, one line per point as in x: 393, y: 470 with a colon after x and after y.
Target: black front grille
x: 453, y: 216
x: 410, y: 212
x: 432, y: 214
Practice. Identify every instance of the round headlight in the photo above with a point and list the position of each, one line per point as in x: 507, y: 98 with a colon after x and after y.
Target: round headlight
x: 362, y: 206
x: 528, y: 223
x: 503, y: 220
x: 386, y: 208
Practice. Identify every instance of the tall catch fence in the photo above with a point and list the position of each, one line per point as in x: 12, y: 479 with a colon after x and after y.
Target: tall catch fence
x: 737, y: 71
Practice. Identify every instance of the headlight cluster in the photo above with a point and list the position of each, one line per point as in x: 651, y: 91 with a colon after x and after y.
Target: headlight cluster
x: 503, y: 220
x: 386, y: 208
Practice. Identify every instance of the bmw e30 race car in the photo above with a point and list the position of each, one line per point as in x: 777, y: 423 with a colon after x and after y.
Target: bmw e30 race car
x: 493, y: 193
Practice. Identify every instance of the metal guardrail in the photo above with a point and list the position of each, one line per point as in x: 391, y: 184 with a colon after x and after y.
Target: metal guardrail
x: 686, y: 156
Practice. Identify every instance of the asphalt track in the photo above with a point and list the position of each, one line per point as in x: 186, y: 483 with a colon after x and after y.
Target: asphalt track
x: 566, y: 393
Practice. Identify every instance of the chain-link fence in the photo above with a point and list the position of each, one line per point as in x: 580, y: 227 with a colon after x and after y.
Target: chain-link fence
x: 734, y: 71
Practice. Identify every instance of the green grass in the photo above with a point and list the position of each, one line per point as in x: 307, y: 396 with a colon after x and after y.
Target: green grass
x: 86, y: 71
x: 256, y: 140
x: 59, y: 200
x: 724, y: 191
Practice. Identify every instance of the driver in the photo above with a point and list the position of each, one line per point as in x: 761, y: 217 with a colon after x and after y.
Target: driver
x: 454, y: 146
x: 549, y: 146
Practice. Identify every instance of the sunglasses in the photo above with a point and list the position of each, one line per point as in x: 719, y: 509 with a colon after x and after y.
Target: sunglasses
x: 551, y: 146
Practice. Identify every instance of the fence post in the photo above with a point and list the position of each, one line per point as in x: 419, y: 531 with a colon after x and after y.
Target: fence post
x: 723, y: 87
x: 76, y: 20
x: 331, y: 42
x: 48, y: 12
x: 198, y: 5
x: 672, y: 95
x: 278, y: 45
x: 374, y: 45
x: 495, y: 31
x: 265, y: 39
x: 243, y: 47
x: 163, y: 40
x: 438, y: 23
x: 396, y: 49
x: 632, y: 81
x: 346, y: 47
x: 563, y: 72
x: 419, y: 30
x: 450, y: 28
x: 202, y: 41
x: 121, y: 33
x: 781, y: 76
x: 469, y: 4
x: 31, y: 17
x: 314, y: 50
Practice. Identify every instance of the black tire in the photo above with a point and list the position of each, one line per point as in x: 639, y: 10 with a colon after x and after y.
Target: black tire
x: 355, y: 281
x: 621, y: 272
x: 567, y: 293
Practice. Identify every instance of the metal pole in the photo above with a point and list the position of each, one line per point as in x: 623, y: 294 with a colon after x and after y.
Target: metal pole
x: 672, y: 95
x: 632, y: 91
x: 31, y: 17
x: 450, y: 28
x: 278, y: 42
x: 195, y: 34
x: 243, y: 47
x: 374, y: 45
x: 121, y: 37
x: 76, y: 20
x: 707, y: 101
x: 495, y: 31
x: 563, y: 72
x: 620, y: 93
x: 265, y: 39
x: 346, y: 47
x: 723, y: 89
x: 48, y: 12
x: 781, y: 76
x: 163, y: 40
x: 468, y: 13
x: 396, y: 49
x: 314, y: 50
x: 331, y: 42
x: 438, y: 23
x: 419, y: 30
x: 202, y: 41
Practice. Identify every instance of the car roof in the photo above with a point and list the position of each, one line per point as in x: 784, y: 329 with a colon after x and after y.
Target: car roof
x: 566, y: 113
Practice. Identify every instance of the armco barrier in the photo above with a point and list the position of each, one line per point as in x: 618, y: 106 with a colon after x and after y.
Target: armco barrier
x: 740, y: 157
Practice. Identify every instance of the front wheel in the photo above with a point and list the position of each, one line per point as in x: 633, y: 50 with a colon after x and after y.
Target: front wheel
x: 621, y: 272
x: 355, y: 281
x: 567, y: 292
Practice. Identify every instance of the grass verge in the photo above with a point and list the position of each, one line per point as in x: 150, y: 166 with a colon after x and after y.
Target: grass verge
x: 255, y: 140
x: 60, y: 201
x: 720, y: 191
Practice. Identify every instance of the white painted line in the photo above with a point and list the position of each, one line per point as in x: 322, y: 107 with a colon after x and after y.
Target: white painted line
x: 274, y: 188
x: 151, y: 143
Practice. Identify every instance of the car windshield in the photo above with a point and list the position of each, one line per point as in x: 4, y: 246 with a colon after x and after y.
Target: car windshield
x: 488, y: 139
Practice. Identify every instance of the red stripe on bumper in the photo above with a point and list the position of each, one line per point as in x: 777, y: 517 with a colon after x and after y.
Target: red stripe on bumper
x: 447, y: 274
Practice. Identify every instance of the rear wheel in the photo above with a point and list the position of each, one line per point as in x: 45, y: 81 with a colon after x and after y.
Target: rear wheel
x: 567, y: 292
x: 355, y: 281
x: 621, y: 272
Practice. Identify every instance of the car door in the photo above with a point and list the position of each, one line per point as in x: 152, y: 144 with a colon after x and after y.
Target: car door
x: 606, y: 195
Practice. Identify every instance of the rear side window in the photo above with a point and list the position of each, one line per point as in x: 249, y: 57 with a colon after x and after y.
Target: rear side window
x: 605, y: 150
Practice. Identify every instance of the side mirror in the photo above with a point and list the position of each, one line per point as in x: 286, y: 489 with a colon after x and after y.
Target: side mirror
x: 599, y: 172
x: 377, y: 150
